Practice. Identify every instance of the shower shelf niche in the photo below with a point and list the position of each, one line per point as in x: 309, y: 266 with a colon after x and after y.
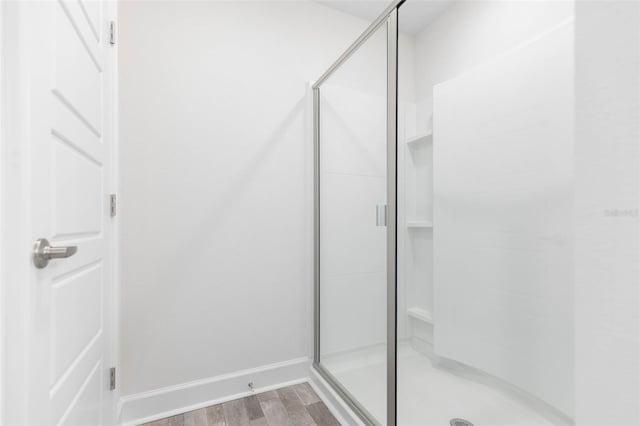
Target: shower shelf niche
x: 419, y: 224
x: 415, y: 227
x: 420, y: 314
x: 419, y: 140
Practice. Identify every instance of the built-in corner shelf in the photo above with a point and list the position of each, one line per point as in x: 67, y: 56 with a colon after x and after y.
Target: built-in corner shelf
x: 419, y: 224
x: 420, y: 314
x: 419, y: 140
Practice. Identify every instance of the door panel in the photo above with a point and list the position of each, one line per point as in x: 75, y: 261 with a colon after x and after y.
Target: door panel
x: 77, y: 196
x: 78, y: 70
x: 84, y: 285
x: 69, y: 109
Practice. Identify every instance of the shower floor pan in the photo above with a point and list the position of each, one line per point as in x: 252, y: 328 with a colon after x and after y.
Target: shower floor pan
x: 428, y: 394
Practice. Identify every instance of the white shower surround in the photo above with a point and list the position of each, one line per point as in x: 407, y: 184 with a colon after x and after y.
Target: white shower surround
x: 503, y: 239
x: 434, y: 56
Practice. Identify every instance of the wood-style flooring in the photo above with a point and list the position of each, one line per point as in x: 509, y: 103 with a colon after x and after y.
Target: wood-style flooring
x: 296, y: 405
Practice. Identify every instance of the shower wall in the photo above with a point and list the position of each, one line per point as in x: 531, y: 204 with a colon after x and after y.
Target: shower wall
x: 469, y: 33
x: 503, y: 162
x: 466, y: 35
x: 450, y: 55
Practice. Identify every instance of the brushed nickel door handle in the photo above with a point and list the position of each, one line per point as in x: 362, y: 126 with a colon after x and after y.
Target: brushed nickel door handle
x: 43, y: 252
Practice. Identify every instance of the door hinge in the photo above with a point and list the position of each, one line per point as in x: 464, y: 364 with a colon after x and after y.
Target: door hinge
x: 112, y: 378
x: 112, y: 205
x: 112, y: 32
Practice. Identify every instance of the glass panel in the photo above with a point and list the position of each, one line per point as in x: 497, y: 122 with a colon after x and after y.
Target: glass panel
x: 353, y: 280
x: 485, y: 305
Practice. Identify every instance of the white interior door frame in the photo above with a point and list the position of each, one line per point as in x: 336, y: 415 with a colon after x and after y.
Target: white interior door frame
x: 16, y: 267
x: 13, y: 211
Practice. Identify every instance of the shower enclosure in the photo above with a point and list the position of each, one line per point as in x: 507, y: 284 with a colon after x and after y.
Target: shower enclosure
x: 443, y: 146
x: 355, y: 173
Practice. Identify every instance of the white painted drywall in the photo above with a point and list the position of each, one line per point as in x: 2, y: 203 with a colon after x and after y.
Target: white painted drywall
x: 606, y: 212
x: 215, y: 171
x: 503, y: 236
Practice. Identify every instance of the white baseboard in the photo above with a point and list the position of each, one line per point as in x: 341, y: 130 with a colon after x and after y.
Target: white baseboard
x: 332, y: 400
x: 164, y: 402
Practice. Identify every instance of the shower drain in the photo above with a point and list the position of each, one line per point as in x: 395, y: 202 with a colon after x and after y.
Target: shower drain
x: 460, y: 422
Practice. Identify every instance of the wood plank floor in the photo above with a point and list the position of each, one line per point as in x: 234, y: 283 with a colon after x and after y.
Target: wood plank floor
x: 296, y: 405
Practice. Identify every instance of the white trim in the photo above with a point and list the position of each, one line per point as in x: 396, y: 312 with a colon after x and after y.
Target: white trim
x: 164, y: 402
x: 14, y: 158
x: 332, y: 400
x: 2, y: 168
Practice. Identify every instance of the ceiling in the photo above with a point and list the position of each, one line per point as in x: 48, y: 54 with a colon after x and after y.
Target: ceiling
x: 414, y: 14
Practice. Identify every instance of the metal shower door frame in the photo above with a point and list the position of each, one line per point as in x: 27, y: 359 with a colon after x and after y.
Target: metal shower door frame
x: 389, y: 18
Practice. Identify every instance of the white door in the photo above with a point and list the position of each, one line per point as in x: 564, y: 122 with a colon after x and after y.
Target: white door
x: 68, y: 62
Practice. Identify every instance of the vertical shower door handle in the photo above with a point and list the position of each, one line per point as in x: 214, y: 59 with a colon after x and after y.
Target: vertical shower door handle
x: 381, y: 215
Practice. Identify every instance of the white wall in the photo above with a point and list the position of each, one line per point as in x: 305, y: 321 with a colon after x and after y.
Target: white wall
x: 215, y: 163
x: 606, y: 208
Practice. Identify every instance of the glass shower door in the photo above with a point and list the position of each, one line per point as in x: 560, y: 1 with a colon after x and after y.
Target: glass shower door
x: 352, y: 226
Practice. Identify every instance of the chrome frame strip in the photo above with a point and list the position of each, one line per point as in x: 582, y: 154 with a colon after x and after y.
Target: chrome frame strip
x: 390, y: 17
x: 359, y: 41
x: 352, y: 402
x: 316, y: 226
x: 392, y: 212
